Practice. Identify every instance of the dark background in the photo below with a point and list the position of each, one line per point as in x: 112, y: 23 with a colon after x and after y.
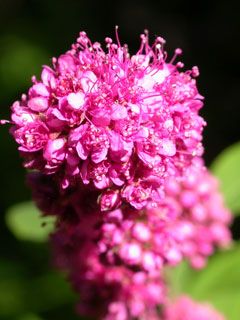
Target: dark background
x: 32, y: 31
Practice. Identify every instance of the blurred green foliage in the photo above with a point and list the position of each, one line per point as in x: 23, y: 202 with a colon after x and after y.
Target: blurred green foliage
x: 23, y: 220
x: 226, y: 168
x: 217, y: 284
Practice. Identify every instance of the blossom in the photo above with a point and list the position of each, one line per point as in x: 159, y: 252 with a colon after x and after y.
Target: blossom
x: 115, y: 259
x: 187, y: 309
x: 121, y: 119
x: 189, y: 223
x: 107, y: 291
x: 113, y: 142
x: 205, y: 220
x: 32, y: 137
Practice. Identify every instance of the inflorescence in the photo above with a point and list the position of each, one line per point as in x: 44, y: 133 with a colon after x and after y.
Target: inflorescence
x: 113, y: 143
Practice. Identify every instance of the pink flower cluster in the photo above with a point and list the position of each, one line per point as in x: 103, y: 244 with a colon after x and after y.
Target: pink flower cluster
x: 190, y: 223
x: 186, y: 309
x: 116, y: 260
x: 107, y: 292
x: 121, y: 123
x: 114, y: 145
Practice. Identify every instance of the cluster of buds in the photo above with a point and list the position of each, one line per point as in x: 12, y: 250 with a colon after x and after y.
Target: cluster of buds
x: 189, y: 224
x: 113, y: 142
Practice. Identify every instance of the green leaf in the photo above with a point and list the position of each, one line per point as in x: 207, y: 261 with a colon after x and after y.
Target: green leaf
x: 226, y: 168
x: 25, y: 222
x: 218, y: 283
x: 179, y: 278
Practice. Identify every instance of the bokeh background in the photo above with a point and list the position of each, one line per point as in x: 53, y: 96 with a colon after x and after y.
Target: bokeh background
x: 33, y: 31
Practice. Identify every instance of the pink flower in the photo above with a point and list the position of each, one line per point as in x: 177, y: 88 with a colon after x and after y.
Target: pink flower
x: 118, y: 292
x: 109, y: 200
x: 39, y: 89
x: 48, y: 77
x: 175, y: 229
x: 38, y: 104
x: 21, y: 115
x: 131, y: 253
x: 90, y: 142
x: 32, y: 137
x: 117, y: 258
x: 137, y: 196
x: 98, y: 173
x: 114, y: 144
x: 141, y: 194
x: 125, y: 118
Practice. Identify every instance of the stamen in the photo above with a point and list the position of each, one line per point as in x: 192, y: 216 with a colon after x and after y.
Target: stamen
x: 177, y: 52
x: 117, y: 37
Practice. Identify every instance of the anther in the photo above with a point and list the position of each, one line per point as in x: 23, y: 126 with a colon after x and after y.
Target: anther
x: 160, y: 40
x: 108, y: 40
x: 195, y: 71
x: 177, y: 52
x: 34, y: 79
x: 180, y: 64
x: 24, y: 97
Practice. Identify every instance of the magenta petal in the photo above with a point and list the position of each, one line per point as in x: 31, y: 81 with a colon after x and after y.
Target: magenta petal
x: 118, y: 112
x: 117, y: 181
x: 148, y: 159
x: 99, y: 154
x: 66, y: 63
x: 82, y: 152
x: 39, y: 89
x: 102, y: 183
x: 167, y: 148
x: 22, y: 115
x: 84, y: 172
x: 76, y: 100
x: 55, y: 150
x: 77, y: 133
x: 120, y: 150
x: 57, y: 114
x: 88, y: 81
x: 38, y: 104
x: 48, y: 77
